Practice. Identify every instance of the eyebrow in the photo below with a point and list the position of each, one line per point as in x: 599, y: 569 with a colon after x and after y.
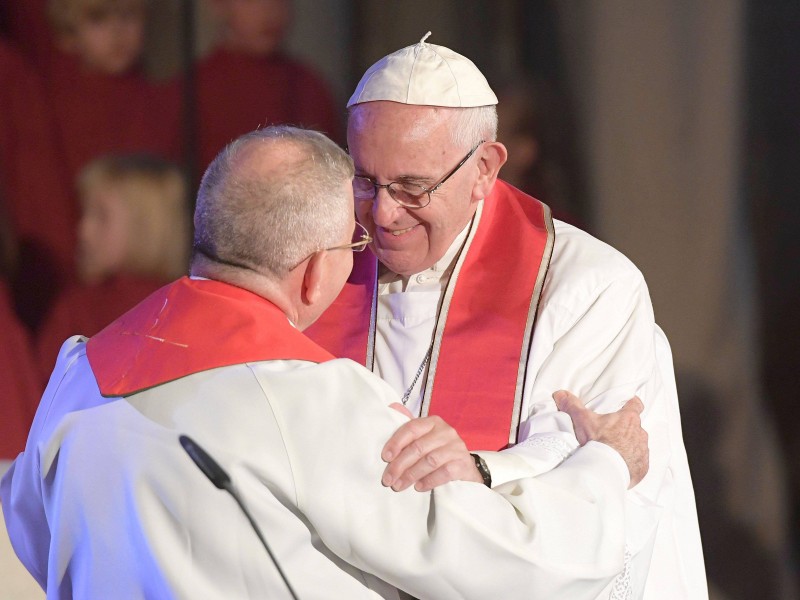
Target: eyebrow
x: 420, y: 179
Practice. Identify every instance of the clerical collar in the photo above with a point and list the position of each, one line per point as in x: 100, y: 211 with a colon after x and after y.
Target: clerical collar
x: 437, y: 274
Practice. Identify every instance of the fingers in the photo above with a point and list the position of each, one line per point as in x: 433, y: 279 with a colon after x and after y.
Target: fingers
x: 567, y: 401
x: 405, y: 435
x: 437, y: 468
x: 634, y: 404
x: 583, y: 420
x: 401, y: 408
x: 426, y: 452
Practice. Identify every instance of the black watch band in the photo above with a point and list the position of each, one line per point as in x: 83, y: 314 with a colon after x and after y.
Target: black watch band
x: 480, y: 464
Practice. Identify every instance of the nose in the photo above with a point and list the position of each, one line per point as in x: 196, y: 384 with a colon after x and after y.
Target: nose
x: 384, y: 209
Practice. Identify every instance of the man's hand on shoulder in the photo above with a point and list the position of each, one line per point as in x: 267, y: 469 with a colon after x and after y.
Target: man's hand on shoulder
x: 426, y: 453
x: 622, y: 430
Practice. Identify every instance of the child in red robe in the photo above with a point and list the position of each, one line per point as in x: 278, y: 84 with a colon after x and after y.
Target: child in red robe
x: 133, y: 238
x: 247, y: 81
x: 34, y: 190
x: 101, y: 100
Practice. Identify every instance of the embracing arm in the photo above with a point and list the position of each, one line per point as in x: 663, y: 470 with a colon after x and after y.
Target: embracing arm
x: 551, y: 536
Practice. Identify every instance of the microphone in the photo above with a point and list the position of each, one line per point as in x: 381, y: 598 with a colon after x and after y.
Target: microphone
x: 220, y: 478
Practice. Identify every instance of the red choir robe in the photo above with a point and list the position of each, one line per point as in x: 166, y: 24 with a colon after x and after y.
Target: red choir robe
x: 28, y: 28
x: 237, y: 93
x: 34, y: 188
x: 85, y: 310
x: 21, y: 388
x: 98, y: 114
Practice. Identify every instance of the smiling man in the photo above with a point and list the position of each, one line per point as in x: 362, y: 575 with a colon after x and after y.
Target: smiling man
x: 104, y: 503
x: 479, y: 305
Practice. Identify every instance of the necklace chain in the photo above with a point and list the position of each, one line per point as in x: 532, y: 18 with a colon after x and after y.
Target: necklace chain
x: 424, y: 362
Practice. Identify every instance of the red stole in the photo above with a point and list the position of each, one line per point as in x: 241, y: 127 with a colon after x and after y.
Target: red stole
x: 190, y: 326
x: 477, y: 368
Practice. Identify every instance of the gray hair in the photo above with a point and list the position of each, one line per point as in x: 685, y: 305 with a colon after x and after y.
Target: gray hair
x: 271, y: 222
x: 470, y: 126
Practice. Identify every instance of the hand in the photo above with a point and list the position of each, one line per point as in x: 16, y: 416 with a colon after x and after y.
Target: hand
x: 401, y: 408
x: 622, y: 430
x: 426, y: 453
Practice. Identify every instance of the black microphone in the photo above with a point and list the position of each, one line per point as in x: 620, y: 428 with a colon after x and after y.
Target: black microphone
x: 222, y: 480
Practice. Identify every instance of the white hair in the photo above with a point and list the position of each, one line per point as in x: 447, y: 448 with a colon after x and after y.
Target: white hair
x: 470, y: 126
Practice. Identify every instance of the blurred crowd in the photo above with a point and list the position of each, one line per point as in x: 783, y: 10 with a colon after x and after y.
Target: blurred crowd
x: 99, y: 161
x: 95, y: 197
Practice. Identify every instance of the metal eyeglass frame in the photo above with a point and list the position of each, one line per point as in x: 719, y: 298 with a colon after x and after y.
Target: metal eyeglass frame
x: 388, y: 186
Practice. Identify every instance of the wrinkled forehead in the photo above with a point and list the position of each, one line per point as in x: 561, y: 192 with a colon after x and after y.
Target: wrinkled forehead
x: 390, y: 123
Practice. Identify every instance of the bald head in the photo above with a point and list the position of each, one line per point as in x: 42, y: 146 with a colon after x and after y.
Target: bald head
x: 271, y: 198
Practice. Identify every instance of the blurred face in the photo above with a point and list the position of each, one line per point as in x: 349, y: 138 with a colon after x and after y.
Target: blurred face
x: 103, y: 234
x: 255, y: 26
x: 398, y: 142
x: 109, y: 43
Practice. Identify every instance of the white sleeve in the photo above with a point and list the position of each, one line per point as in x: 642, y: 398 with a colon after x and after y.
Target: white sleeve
x: 560, y: 535
x: 596, y: 336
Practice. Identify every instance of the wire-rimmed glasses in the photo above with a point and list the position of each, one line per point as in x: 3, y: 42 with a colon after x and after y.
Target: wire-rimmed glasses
x: 364, y: 238
x: 405, y: 193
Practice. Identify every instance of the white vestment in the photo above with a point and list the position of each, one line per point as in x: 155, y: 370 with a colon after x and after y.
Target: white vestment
x: 595, y: 335
x: 104, y: 503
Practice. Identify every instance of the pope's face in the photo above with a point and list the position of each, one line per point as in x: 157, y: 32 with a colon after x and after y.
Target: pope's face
x: 398, y: 142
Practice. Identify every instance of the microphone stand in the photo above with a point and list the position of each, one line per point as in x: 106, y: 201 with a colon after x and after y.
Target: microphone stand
x: 220, y: 478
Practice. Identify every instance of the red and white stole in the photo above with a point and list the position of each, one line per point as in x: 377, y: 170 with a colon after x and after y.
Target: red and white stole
x: 483, y: 333
x: 191, y: 326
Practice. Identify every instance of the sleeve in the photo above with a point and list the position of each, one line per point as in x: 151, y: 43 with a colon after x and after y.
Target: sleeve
x: 602, y: 350
x: 596, y: 336
x: 552, y: 536
x: 21, y: 490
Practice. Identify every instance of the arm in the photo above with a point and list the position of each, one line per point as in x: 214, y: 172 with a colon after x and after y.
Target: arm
x: 596, y: 336
x: 552, y: 536
x: 601, y: 347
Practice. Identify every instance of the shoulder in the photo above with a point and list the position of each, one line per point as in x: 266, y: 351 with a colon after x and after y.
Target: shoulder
x: 333, y: 404
x: 336, y: 384
x: 583, y: 266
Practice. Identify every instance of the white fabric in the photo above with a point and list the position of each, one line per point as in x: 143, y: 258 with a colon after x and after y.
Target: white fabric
x: 104, y: 503
x: 595, y: 335
x: 425, y: 74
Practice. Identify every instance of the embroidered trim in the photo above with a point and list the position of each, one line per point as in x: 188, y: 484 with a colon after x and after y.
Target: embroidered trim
x: 621, y: 588
x: 522, y: 371
x: 552, y: 444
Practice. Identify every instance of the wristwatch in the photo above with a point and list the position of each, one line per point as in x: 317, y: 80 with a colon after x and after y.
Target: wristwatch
x: 480, y: 464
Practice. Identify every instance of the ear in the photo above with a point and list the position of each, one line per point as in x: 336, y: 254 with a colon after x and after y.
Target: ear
x: 491, y: 156
x: 313, y: 278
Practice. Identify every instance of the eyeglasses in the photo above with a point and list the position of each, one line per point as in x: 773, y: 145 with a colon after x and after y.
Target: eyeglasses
x: 361, y: 237
x: 410, y: 195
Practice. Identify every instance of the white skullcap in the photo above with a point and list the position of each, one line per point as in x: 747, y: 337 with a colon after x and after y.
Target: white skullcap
x: 424, y: 74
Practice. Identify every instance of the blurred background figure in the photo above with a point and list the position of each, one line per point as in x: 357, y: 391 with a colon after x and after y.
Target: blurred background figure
x: 536, y: 123
x: 134, y: 236
x: 20, y: 397
x: 20, y: 381
x: 248, y: 80
x: 33, y: 188
x: 686, y: 144
x: 101, y: 101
